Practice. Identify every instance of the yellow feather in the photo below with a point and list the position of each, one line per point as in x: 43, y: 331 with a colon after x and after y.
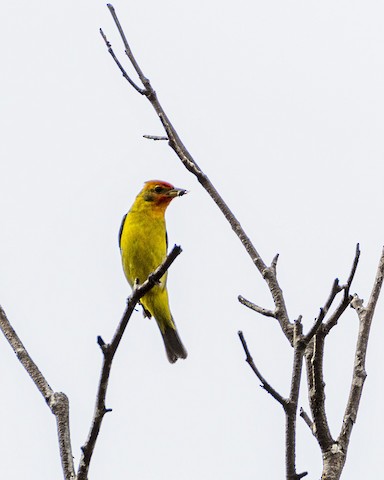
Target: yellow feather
x: 143, y: 245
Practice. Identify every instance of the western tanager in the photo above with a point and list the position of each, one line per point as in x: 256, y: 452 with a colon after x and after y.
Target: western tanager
x: 143, y: 246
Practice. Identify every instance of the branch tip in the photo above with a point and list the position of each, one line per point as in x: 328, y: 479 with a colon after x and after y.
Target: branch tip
x: 155, y: 137
x: 301, y: 475
x: 274, y: 261
x: 256, y: 308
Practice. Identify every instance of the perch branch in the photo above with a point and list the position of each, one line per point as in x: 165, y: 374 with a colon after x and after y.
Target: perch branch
x: 268, y: 273
x: 109, y: 351
x: 57, y: 401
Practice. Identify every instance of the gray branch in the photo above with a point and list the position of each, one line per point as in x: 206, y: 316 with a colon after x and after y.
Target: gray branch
x: 256, y: 308
x: 109, y: 351
x: 365, y: 315
x: 266, y: 385
x: 57, y: 401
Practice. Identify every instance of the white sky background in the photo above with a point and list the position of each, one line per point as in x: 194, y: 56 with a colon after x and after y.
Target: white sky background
x: 281, y: 103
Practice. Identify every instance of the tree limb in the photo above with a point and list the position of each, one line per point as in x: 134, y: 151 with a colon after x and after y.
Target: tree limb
x: 57, y: 401
x: 292, y: 404
x: 365, y: 315
x: 109, y: 351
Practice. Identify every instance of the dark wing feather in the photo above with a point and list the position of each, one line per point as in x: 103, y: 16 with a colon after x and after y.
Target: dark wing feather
x: 121, y: 228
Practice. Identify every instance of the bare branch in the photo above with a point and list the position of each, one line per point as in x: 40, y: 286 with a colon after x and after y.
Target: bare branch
x: 354, y: 266
x: 256, y: 308
x: 125, y: 74
x: 334, y: 318
x: 289, y: 405
x: 186, y: 158
x: 109, y: 351
x: 127, y: 47
x: 304, y: 415
x: 323, y: 312
x: 59, y: 405
x: 298, y: 476
x: 57, y: 401
x: 314, y: 354
x: 155, y: 137
x: 334, y: 452
x: 267, y: 387
x: 292, y: 404
x: 365, y: 315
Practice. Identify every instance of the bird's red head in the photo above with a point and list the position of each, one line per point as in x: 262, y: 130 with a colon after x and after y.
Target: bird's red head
x: 160, y: 193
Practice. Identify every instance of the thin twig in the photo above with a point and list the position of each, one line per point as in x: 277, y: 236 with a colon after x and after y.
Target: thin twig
x: 307, y: 419
x: 124, y: 73
x: 57, y: 401
x: 155, y: 137
x: 354, y: 266
x: 267, y: 386
x: 126, y: 45
x: 109, y: 351
x: 323, y: 311
x: 263, y: 311
x: 346, y: 300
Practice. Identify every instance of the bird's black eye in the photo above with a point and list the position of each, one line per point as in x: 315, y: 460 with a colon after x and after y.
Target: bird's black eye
x: 158, y: 189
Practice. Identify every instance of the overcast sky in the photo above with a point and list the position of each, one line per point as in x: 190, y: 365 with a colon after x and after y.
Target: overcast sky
x: 282, y: 105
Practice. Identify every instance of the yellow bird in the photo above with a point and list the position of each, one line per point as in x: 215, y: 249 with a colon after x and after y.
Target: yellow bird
x: 143, y: 245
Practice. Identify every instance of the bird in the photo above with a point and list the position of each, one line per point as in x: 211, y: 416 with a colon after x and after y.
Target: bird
x: 143, y: 245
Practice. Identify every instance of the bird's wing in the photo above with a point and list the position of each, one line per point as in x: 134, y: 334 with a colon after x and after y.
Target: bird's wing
x: 121, y: 228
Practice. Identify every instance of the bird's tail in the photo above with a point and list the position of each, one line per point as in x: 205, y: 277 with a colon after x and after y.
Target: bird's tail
x: 173, y: 344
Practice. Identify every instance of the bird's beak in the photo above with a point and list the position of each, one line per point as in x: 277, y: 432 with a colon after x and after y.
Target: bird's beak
x: 176, y: 192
